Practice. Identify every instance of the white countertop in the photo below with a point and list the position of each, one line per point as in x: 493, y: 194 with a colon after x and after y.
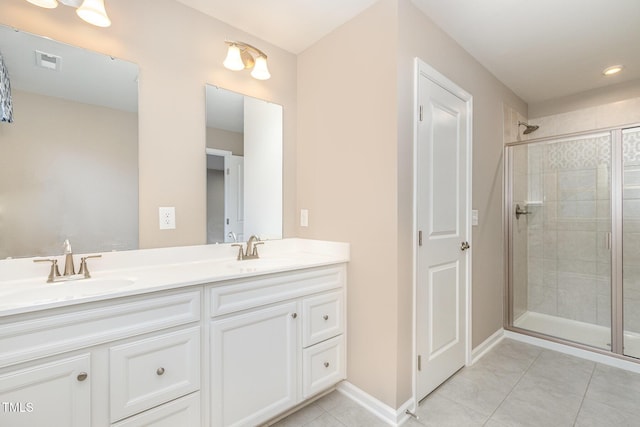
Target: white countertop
x: 23, y: 286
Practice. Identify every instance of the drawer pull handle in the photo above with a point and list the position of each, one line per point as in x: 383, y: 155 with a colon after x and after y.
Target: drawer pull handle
x: 160, y: 371
x: 325, y: 317
x: 82, y: 376
x: 326, y: 364
x: 294, y: 315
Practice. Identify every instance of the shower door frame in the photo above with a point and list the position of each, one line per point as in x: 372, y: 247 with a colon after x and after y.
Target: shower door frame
x: 616, y: 197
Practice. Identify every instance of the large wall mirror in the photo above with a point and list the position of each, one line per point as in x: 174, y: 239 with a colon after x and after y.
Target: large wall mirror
x: 69, y: 161
x: 244, y: 167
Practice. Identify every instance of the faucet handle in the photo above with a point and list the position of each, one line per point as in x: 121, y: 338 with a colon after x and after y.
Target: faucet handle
x: 255, y: 248
x: 83, y: 265
x: 240, y: 254
x: 54, y: 272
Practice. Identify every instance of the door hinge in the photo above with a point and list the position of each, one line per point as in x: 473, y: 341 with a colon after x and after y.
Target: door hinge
x: 419, y: 237
x: 228, y: 221
x: 421, y: 115
x: 228, y: 171
x: 419, y: 363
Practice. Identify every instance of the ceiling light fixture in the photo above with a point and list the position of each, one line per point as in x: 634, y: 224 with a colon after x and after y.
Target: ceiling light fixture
x: 614, y: 69
x: 242, y: 55
x: 91, y: 11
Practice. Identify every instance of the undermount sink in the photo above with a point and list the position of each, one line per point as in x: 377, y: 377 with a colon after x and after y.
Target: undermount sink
x: 65, y: 290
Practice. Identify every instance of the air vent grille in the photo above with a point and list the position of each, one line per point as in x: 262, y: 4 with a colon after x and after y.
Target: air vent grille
x: 48, y: 61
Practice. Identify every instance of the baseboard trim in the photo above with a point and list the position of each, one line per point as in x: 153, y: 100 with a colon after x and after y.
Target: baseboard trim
x: 478, y: 352
x: 393, y: 417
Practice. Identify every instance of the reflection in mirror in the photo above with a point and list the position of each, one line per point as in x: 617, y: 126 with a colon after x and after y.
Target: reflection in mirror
x: 69, y: 161
x: 244, y: 167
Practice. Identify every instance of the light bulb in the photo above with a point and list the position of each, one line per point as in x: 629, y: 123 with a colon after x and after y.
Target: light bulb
x: 49, y: 4
x: 260, y: 70
x: 93, y: 12
x: 610, y: 71
x: 233, y: 61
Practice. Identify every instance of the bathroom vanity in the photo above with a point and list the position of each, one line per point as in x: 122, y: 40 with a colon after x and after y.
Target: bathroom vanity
x: 173, y: 337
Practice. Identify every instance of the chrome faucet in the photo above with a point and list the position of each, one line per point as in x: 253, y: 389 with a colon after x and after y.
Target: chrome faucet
x: 251, y: 251
x: 69, y: 269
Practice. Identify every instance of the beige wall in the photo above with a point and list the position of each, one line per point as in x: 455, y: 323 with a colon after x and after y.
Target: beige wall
x: 226, y: 140
x: 59, y: 182
x: 178, y: 51
x: 347, y: 179
x: 420, y: 37
x: 355, y: 145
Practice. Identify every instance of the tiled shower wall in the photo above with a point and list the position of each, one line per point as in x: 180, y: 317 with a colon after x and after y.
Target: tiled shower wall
x: 569, y: 262
x: 569, y: 199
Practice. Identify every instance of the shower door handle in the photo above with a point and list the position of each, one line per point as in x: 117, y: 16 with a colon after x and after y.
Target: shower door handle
x: 464, y: 246
x: 520, y: 211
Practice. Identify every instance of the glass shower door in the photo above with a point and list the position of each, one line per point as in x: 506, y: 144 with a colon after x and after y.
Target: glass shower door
x: 631, y: 241
x: 560, y: 235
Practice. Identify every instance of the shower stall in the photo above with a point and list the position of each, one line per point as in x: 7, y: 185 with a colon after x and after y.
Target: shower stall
x: 572, y: 219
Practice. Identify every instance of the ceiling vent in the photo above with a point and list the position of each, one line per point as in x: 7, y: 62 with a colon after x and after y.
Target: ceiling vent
x: 48, y: 61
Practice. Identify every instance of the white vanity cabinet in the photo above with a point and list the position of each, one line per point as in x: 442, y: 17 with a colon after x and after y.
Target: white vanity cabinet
x: 58, y: 390
x: 275, y: 340
x: 100, y: 364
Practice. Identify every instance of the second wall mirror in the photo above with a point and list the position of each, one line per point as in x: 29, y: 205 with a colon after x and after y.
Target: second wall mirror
x: 244, y: 167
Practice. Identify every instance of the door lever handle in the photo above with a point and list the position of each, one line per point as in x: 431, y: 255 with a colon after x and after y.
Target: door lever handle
x: 520, y: 211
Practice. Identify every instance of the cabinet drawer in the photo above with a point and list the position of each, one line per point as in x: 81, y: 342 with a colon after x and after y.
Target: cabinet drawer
x: 323, y: 366
x: 184, y: 412
x: 322, y: 317
x: 27, y: 338
x: 256, y: 292
x: 152, y: 371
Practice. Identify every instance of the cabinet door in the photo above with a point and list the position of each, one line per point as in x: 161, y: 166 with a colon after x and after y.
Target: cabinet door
x: 254, y: 365
x: 52, y: 394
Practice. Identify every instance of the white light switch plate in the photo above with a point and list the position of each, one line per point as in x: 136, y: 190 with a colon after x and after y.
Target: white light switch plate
x: 167, y: 218
x: 474, y: 217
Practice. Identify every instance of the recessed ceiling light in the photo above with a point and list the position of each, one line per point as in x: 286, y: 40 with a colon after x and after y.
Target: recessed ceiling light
x: 614, y: 69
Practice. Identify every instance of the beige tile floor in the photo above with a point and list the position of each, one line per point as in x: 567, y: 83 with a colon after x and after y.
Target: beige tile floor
x: 515, y: 384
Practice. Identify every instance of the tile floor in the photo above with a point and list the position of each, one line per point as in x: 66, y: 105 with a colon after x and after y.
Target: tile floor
x: 515, y: 384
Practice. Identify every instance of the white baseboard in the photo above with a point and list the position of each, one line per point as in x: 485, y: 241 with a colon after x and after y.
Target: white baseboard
x: 573, y: 351
x: 393, y: 417
x: 486, y: 346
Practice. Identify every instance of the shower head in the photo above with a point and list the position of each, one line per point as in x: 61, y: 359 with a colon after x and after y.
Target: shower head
x: 529, y: 128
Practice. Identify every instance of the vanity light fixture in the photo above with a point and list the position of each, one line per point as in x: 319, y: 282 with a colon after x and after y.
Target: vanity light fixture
x: 91, y: 11
x: 242, y: 55
x: 614, y: 69
x: 48, y: 4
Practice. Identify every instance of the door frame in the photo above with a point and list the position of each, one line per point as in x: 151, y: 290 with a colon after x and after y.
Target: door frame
x: 422, y: 68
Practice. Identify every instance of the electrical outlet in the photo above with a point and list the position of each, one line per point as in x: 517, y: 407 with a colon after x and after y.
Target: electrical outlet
x: 167, y: 218
x: 304, y: 217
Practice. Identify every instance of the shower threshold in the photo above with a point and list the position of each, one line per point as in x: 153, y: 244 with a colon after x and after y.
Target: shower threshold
x: 579, y: 332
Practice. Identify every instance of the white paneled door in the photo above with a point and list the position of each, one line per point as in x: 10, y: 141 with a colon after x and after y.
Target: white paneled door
x: 234, y: 198
x: 442, y: 220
